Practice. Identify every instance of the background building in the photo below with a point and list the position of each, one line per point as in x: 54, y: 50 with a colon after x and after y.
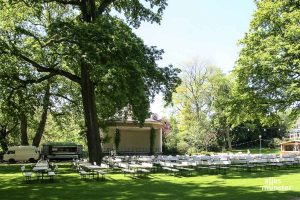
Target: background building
x: 133, y: 138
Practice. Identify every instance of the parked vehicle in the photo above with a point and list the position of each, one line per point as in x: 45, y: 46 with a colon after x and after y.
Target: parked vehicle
x: 21, y: 153
x: 61, y: 151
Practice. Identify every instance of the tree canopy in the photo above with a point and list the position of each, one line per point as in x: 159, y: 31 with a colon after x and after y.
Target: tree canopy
x: 268, y: 68
x: 87, y: 44
x: 196, y: 103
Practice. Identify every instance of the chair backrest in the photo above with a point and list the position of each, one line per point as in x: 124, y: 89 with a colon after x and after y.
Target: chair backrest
x: 147, y: 164
x: 23, y: 168
x: 104, y: 165
x: 80, y: 169
x: 55, y: 168
x: 123, y: 165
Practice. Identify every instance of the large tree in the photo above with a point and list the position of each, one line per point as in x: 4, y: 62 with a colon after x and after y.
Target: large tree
x: 17, y: 101
x: 268, y: 68
x: 86, y: 43
x: 23, y: 93
x: 193, y: 102
x: 224, y: 116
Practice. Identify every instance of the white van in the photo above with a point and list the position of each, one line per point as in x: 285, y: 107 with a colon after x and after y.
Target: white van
x: 21, y: 153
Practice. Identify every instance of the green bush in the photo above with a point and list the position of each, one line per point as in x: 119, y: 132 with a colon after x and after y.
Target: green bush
x: 274, y: 143
x: 182, y: 147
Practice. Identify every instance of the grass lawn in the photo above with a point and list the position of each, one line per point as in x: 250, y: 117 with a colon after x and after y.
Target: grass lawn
x: 257, y: 151
x: 234, y: 185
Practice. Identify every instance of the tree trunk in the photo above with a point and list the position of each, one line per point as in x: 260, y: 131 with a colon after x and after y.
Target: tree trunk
x: 23, y: 119
x: 39, y: 133
x: 23, y: 127
x: 90, y: 115
x: 223, y: 136
x: 88, y: 10
x: 3, y: 142
x: 228, y: 138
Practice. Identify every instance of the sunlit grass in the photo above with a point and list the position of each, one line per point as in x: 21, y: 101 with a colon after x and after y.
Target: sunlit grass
x: 68, y: 185
x: 256, y: 151
x: 245, y: 150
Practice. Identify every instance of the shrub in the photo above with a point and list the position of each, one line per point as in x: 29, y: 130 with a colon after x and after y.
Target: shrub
x: 274, y: 143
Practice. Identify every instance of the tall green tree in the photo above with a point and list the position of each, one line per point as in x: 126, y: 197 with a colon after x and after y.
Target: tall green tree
x: 23, y: 93
x: 86, y: 43
x: 224, y: 117
x: 268, y: 67
x: 16, y: 98
x: 193, y: 102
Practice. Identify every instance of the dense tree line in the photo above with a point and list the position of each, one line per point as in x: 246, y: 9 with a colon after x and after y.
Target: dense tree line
x: 74, y: 65
x: 260, y: 97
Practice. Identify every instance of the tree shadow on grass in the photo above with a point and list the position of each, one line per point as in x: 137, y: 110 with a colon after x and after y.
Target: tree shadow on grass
x: 15, y: 168
x: 157, y: 186
x: 258, y: 174
x: 72, y: 187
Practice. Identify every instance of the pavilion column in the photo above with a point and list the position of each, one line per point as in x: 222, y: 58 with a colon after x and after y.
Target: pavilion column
x: 160, y: 140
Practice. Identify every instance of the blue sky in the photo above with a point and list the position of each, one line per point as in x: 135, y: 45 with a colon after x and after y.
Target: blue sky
x: 204, y: 29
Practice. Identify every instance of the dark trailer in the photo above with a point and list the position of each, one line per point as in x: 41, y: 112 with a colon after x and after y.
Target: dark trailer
x: 62, y: 151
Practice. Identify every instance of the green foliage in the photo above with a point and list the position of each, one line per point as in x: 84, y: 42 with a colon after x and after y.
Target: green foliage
x: 135, y: 12
x: 211, y: 114
x: 196, y: 101
x: 9, y: 131
x: 91, y: 52
x: 246, y: 134
x: 55, y: 41
x: 275, y: 143
x: 171, y: 138
x: 268, y: 65
x: 63, y: 128
x: 106, y: 138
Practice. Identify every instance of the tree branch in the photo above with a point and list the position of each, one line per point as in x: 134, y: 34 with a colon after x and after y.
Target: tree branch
x: 65, y: 2
x: 104, y: 5
x: 39, y: 80
x: 11, y: 130
x: 41, y: 68
x: 63, y: 97
x: 93, y: 9
x: 28, y: 81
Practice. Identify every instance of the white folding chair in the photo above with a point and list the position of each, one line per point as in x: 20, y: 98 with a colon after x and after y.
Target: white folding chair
x: 27, y: 175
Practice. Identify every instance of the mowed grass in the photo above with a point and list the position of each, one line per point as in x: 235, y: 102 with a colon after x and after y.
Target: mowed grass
x: 257, y: 151
x: 234, y: 185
